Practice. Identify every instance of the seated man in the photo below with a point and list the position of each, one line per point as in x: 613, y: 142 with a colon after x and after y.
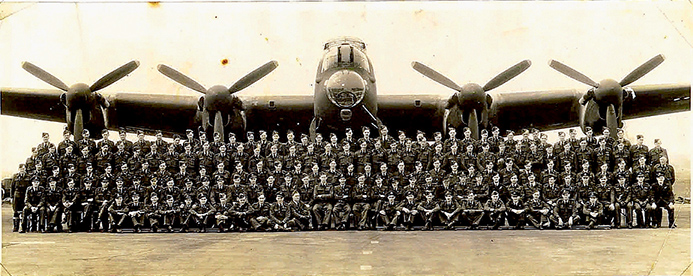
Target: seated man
x: 642, y: 198
x: 409, y: 212
x: 153, y: 212
x: 449, y: 211
x: 565, y: 214
x: 538, y: 211
x: 260, y: 219
x: 280, y: 214
x: 136, y: 211
x: 186, y: 215
x: 53, y: 211
x: 428, y: 209
x: 87, y: 199
x: 322, y: 198
x: 201, y: 213
x: 516, y: 211
x: 300, y: 213
x: 389, y: 212
x: 223, y: 214
x: 361, y: 195
x: 169, y: 212
x: 342, y: 210
x: 495, y: 210
x: 70, y: 206
x: 593, y: 210
x: 117, y: 213
x: 472, y: 212
x: 663, y: 199
x: 33, y: 207
x: 241, y: 213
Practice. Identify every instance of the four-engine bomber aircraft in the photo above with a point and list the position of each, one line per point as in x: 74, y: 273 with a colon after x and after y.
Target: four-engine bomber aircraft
x: 345, y: 96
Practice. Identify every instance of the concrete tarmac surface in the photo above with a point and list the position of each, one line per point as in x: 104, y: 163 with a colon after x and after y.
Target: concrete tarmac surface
x: 661, y: 251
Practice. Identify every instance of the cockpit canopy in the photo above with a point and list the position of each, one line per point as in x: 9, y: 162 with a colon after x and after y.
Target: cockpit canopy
x: 345, y: 55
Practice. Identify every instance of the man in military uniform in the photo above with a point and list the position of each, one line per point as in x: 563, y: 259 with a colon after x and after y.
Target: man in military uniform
x: 153, y: 212
x: 622, y: 200
x: 657, y: 152
x: 494, y: 209
x: 389, y: 212
x: 70, y: 206
x: 20, y: 183
x: 639, y: 149
x: 663, y: 196
x: 408, y: 208
x: 593, y: 210
x: 241, y: 213
x: 170, y: 213
x: 565, y: 214
x: 449, y: 211
x: 472, y: 211
x: 516, y: 211
x: 605, y: 195
x: 538, y: 211
x: 428, y: 210
x: 299, y: 213
x: 260, y: 219
x: 136, y: 212
x: 642, y: 196
x: 280, y: 214
x: 53, y: 196
x: 342, y: 210
x: 322, y: 197
x: 202, y: 212
x: 361, y: 196
x: 62, y: 146
x: 117, y: 213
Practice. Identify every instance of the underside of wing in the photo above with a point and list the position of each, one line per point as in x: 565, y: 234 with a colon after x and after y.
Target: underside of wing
x: 651, y: 100
x: 150, y: 112
x: 39, y: 104
x: 543, y: 110
x: 412, y: 112
x: 279, y: 113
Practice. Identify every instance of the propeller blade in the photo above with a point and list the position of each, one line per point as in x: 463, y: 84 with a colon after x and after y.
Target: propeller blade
x: 507, y: 75
x: 180, y: 78
x: 253, y: 76
x: 114, y: 75
x: 642, y: 70
x: 572, y: 73
x: 435, y: 76
x: 44, y: 76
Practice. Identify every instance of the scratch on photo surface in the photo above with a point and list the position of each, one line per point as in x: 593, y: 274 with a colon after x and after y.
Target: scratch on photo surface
x: 674, y: 25
x: 3, y: 15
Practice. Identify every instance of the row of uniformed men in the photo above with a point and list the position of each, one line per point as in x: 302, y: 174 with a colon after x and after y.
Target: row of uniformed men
x: 48, y: 204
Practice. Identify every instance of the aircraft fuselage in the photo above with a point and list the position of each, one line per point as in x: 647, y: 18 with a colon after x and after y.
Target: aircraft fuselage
x: 345, y: 89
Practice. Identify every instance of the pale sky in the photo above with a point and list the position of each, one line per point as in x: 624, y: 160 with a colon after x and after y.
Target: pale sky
x: 468, y: 42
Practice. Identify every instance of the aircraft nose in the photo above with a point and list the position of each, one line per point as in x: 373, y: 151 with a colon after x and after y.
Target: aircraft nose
x: 345, y: 114
x: 345, y: 88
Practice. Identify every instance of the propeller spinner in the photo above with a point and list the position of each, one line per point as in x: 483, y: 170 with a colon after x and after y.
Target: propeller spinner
x: 81, y: 99
x: 609, y: 94
x: 470, y: 100
x: 219, y: 102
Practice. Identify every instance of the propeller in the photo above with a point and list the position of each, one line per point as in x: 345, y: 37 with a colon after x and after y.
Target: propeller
x: 609, y: 94
x: 218, y: 103
x: 80, y: 99
x: 471, y: 101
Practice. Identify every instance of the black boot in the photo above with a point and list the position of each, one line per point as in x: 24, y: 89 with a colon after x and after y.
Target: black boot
x: 15, y: 223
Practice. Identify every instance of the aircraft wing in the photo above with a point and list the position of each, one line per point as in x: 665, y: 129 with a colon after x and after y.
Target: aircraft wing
x: 653, y: 100
x: 549, y: 110
x: 32, y: 104
x: 279, y: 113
x: 412, y: 112
x: 150, y: 112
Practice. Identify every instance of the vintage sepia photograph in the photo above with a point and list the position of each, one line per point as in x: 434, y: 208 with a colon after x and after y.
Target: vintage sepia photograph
x: 345, y: 138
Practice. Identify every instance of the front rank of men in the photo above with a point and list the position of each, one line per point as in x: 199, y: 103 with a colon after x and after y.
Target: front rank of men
x: 276, y: 183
